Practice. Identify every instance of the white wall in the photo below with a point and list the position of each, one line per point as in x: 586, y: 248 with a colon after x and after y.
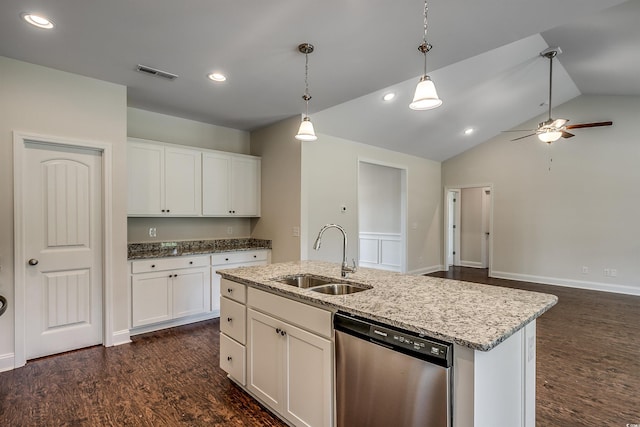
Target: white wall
x: 548, y: 224
x: 160, y: 127
x: 380, y: 201
x: 329, y: 180
x: 35, y: 99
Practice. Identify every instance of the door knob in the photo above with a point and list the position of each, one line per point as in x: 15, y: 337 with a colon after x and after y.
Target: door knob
x: 33, y: 261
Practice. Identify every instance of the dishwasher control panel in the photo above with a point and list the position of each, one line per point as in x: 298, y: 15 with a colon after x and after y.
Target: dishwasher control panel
x: 409, y: 341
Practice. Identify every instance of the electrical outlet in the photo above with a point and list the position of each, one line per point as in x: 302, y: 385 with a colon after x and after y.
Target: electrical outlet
x: 614, y: 272
x: 152, y: 232
x: 585, y: 269
x: 229, y: 230
x: 607, y: 272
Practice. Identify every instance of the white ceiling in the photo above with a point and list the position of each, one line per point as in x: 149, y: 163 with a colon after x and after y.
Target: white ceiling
x: 485, y: 60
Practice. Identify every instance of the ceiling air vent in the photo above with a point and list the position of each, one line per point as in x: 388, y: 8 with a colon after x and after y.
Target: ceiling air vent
x: 155, y: 72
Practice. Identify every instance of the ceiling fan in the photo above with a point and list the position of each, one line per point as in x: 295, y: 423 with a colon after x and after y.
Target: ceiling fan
x: 553, y: 129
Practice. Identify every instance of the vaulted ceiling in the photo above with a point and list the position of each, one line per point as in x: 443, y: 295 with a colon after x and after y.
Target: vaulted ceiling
x: 485, y: 61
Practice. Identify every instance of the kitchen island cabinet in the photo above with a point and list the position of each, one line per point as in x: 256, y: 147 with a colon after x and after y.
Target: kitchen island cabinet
x: 492, y: 330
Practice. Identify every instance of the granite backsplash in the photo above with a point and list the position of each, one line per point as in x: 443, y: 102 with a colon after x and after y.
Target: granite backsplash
x: 193, y: 247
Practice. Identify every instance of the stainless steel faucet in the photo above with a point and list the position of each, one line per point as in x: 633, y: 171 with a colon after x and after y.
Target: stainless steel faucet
x: 345, y: 269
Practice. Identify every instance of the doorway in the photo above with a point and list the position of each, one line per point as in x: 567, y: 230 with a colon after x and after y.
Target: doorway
x: 61, y: 232
x: 468, y: 224
x: 382, y: 216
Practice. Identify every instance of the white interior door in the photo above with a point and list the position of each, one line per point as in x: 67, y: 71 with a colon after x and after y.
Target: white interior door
x: 62, y: 194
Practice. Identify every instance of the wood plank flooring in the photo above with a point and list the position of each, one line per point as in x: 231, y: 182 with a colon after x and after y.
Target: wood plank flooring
x: 588, y: 373
x: 588, y: 354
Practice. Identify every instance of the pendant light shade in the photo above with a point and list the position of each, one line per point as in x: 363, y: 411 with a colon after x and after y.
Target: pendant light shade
x: 426, y: 96
x: 306, y: 132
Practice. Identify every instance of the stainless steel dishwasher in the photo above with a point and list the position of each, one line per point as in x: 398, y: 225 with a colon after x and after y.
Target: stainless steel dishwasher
x: 387, y: 376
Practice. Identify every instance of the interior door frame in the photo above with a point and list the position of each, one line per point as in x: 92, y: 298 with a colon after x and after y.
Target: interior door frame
x: 19, y: 153
x: 445, y: 222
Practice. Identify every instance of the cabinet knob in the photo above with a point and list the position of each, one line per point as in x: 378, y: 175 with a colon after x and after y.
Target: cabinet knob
x: 162, y: 210
x: 190, y: 262
x: 255, y: 256
x: 230, y: 290
x: 229, y: 319
x: 283, y: 333
x: 229, y: 358
x: 153, y: 266
x: 168, y: 210
x: 278, y: 331
x: 233, y: 211
x: 226, y: 259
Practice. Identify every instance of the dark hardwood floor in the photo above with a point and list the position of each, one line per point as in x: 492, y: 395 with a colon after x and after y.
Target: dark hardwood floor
x: 588, y: 354
x: 588, y: 373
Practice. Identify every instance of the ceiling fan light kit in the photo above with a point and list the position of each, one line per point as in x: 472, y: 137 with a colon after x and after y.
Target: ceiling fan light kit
x: 425, y: 96
x: 552, y: 129
x: 306, y: 131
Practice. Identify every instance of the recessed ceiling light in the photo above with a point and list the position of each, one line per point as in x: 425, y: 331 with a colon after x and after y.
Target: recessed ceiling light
x: 217, y: 77
x: 388, y: 96
x: 469, y: 131
x: 37, y: 21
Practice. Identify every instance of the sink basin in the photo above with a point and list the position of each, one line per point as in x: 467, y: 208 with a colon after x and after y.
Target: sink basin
x: 304, y: 280
x: 338, y: 289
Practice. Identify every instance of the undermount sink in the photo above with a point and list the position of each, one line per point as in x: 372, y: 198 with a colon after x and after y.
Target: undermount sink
x: 304, y: 280
x: 338, y: 289
x: 323, y: 285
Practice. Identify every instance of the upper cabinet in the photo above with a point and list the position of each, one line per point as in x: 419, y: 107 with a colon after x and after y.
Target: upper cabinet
x: 230, y: 184
x: 173, y: 180
x: 163, y: 180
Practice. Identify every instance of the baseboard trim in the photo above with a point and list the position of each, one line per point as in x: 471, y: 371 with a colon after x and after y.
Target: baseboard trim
x: 173, y: 323
x: 7, y: 362
x: 426, y: 270
x: 121, y: 337
x: 472, y: 264
x: 570, y: 283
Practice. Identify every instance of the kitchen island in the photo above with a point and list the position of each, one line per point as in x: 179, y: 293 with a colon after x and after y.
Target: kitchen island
x: 492, y: 329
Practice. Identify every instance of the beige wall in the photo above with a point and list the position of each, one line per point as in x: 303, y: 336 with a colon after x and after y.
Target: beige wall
x: 329, y: 180
x: 160, y: 127
x: 548, y: 224
x: 280, y: 212
x: 40, y: 100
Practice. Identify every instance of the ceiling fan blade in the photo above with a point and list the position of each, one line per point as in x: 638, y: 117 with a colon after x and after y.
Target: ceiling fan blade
x: 588, y: 125
x: 566, y: 134
x: 522, y: 137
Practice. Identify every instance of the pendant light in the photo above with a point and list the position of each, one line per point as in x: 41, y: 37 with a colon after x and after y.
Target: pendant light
x: 306, y: 132
x: 425, y: 97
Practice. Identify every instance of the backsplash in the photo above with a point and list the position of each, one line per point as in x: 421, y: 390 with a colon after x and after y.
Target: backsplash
x: 192, y: 247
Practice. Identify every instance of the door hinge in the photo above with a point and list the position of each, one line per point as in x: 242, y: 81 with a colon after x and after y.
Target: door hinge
x: 454, y: 252
x: 454, y: 226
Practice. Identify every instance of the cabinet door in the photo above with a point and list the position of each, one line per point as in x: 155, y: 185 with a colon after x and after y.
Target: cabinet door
x: 216, y: 169
x: 145, y: 178
x: 182, y: 181
x: 264, y: 358
x: 245, y: 186
x: 308, y: 378
x: 191, y: 292
x: 150, y: 298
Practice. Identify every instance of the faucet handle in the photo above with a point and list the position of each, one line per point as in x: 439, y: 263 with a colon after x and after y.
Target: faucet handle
x: 355, y: 267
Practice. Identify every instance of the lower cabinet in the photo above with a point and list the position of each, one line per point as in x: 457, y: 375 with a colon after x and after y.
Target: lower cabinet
x: 166, y: 289
x: 290, y: 368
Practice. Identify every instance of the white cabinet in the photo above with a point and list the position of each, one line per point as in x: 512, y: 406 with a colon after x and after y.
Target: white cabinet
x: 289, y: 368
x: 163, y: 179
x: 230, y: 184
x: 233, y: 316
x: 167, y: 289
x: 224, y: 260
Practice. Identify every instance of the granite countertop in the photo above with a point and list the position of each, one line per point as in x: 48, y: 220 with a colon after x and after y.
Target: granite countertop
x: 473, y: 315
x: 193, y: 247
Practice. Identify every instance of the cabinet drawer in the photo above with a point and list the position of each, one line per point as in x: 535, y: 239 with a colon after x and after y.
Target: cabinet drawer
x: 161, y: 264
x: 311, y: 318
x: 233, y: 318
x: 233, y: 358
x: 233, y: 290
x: 238, y: 257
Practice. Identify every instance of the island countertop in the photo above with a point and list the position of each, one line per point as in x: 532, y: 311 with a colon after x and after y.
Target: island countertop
x: 474, y: 315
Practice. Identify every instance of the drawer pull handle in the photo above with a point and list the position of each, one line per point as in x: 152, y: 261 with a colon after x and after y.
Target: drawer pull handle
x: 229, y: 319
x: 229, y: 358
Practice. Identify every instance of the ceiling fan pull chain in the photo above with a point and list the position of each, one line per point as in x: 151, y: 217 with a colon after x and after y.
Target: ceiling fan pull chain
x: 549, y: 156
